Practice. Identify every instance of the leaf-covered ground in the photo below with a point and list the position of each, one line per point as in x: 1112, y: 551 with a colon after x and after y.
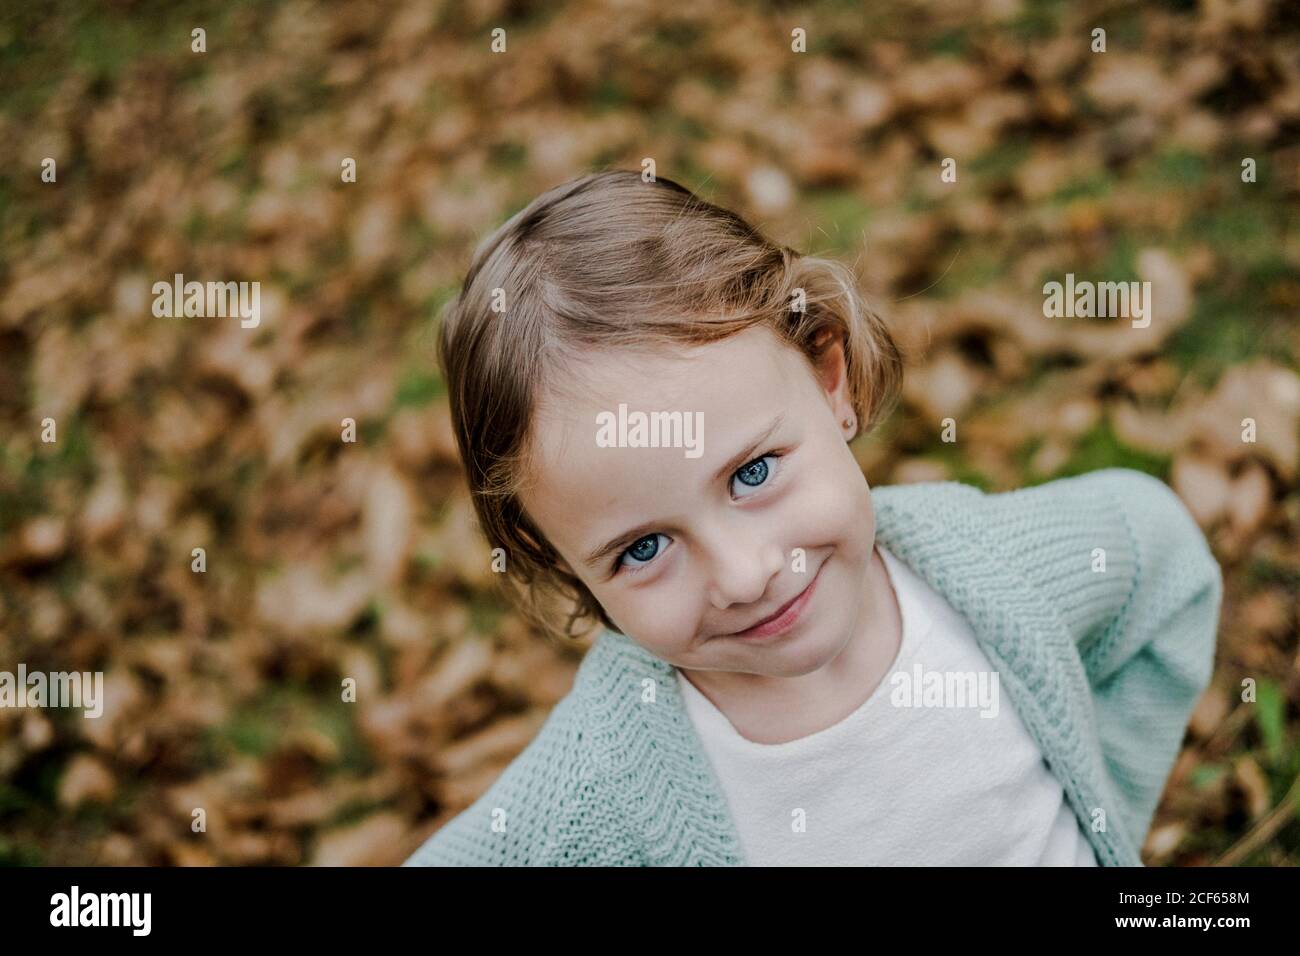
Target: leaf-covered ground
x: 328, y: 560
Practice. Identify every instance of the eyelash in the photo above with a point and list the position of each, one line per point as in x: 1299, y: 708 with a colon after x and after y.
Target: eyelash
x: 619, y: 567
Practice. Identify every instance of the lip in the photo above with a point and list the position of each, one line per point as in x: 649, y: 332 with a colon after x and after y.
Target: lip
x: 784, y: 617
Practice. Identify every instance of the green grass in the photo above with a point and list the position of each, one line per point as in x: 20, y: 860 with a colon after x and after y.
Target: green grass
x: 1261, y: 572
x: 510, y: 156
x: 969, y: 266
x: 1176, y: 167
x: 1270, y: 715
x: 609, y: 96
x: 67, y: 459
x: 1229, y: 325
x: 417, y: 387
x: 261, y: 725
x: 1207, y: 775
x: 677, y: 35
x: 485, y: 613
x: 41, y: 43
x: 419, y: 238
x: 1245, y: 230
x: 953, y: 42
x: 1037, y: 20
x: 1123, y: 26
x: 959, y: 468
x: 999, y: 161
x: 1096, y: 186
x: 354, y: 811
x: 13, y: 853
x: 1118, y: 264
x: 1101, y: 448
x: 841, y: 216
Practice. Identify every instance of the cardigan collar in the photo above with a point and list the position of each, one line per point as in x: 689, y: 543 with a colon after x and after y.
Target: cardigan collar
x: 655, y: 747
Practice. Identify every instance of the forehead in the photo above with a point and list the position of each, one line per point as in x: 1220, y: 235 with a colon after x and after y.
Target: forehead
x: 578, y: 488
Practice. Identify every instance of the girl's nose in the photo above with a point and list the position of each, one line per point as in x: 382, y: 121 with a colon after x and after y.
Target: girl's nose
x: 741, y: 570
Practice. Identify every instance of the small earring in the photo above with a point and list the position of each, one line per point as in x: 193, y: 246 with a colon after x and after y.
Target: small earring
x: 848, y: 423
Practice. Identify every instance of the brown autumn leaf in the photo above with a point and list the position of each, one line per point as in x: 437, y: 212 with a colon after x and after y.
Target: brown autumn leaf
x: 1204, y: 486
x: 943, y: 388
x: 1250, y: 499
x: 1164, y: 840
x: 457, y: 793
x: 85, y: 779
x: 366, y: 843
x: 124, y: 699
x: 936, y: 82
x: 387, y: 519
x: 1254, y: 786
x: 1269, y: 613
x: 1120, y: 80
x: 460, y: 545
x: 1261, y: 392
x: 305, y: 598
x: 1211, y: 710
x: 913, y: 470
x: 505, y: 738
x: 464, y: 664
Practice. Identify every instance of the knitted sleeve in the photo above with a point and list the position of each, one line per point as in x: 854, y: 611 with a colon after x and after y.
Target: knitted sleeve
x: 1153, y: 661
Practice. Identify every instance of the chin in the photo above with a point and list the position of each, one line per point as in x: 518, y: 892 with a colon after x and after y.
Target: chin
x: 808, y: 652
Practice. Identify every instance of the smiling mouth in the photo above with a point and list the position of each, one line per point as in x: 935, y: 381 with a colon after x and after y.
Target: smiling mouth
x: 783, y: 617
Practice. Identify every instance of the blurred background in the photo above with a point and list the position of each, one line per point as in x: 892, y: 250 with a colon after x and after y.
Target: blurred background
x: 328, y: 560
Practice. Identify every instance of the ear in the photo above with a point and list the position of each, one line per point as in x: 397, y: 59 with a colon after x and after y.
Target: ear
x: 832, y: 373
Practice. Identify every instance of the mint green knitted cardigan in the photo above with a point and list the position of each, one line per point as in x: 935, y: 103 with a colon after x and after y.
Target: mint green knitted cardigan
x: 1103, y: 667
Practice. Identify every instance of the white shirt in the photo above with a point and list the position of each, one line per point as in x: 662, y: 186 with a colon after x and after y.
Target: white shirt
x: 898, y: 785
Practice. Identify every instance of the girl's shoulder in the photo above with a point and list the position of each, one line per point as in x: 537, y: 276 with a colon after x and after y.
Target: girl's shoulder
x: 1095, y: 504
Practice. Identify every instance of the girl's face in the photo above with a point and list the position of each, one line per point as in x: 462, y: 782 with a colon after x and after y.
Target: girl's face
x: 683, y: 551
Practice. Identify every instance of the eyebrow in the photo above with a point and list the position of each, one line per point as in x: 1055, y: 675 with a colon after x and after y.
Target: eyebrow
x: 735, y: 461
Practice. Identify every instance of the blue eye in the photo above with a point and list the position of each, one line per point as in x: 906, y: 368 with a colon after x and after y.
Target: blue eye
x: 754, y: 475
x: 642, y: 550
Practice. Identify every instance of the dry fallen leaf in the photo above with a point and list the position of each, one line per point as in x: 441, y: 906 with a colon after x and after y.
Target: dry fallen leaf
x: 387, y: 524
x: 1164, y: 840
x: 1254, y: 785
x: 367, y: 843
x: 1250, y: 498
x: 1261, y: 392
x: 86, y: 779
x: 1204, y: 486
x: 1210, y: 711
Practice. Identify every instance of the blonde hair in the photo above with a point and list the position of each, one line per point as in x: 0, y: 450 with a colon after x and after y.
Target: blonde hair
x: 610, y: 261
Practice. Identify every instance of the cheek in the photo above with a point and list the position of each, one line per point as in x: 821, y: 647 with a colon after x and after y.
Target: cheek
x: 833, y: 504
x: 645, y: 615
x: 661, y: 626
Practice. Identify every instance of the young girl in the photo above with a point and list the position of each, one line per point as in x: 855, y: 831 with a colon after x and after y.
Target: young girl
x: 653, y: 404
